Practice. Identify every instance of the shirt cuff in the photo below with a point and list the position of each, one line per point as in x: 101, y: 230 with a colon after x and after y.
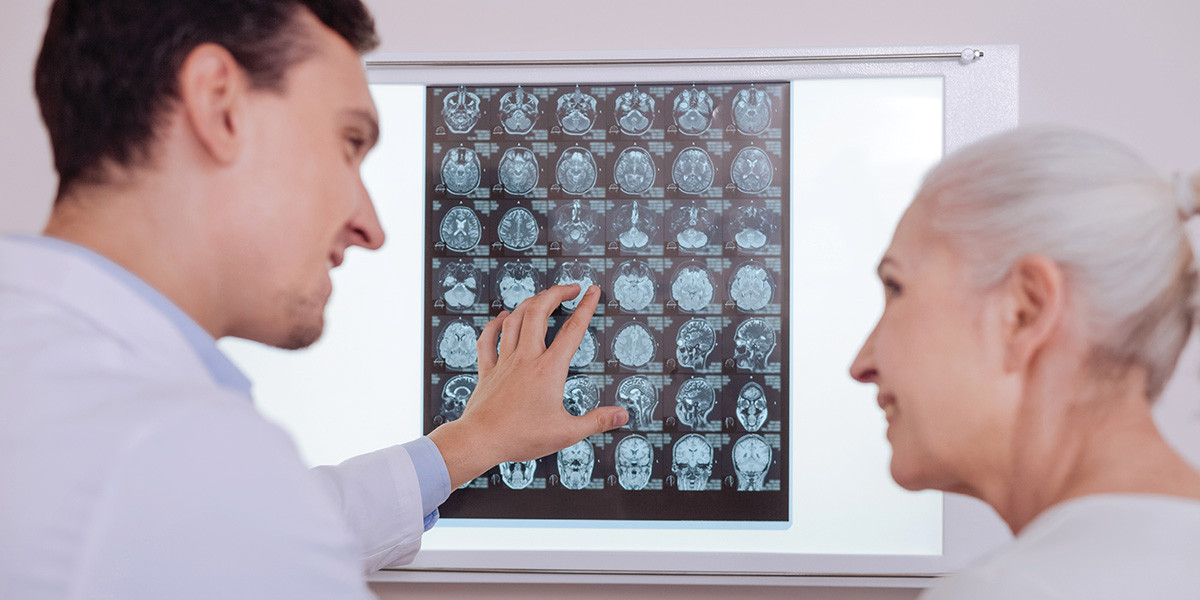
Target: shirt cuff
x: 432, y: 476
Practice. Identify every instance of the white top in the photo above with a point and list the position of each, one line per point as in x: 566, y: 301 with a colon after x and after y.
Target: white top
x: 128, y: 471
x: 1094, y: 548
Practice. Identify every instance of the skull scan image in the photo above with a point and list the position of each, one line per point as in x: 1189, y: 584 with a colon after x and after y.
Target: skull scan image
x: 634, y: 111
x: 693, y: 111
x: 587, y: 351
x: 752, y: 406
x: 752, y: 226
x: 461, y: 171
x: 751, y: 170
x: 634, y: 287
x: 460, y: 229
x: 460, y: 110
x: 460, y: 281
x: 694, y: 401
x: 693, y: 171
x: 751, y: 110
x: 637, y: 396
x: 518, y: 170
x: 753, y: 342
x: 634, y: 170
x: 455, y: 393
x: 518, y: 475
x: 633, y: 226
x: 694, y: 341
x: 576, y: 112
x: 692, y: 288
x: 575, y: 271
x: 751, y: 459
x: 580, y: 395
x: 575, y: 225
x: 456, y: 345
x: 576, y: 171
x: 635, y: 460
x: 633, y: 346
x: 575, y: 465
x: 518, y: 281
x: 692, y: 225
x: 751, y: 287
x: 518, y: 111
x: 518, y: 229
x: 692, y: 462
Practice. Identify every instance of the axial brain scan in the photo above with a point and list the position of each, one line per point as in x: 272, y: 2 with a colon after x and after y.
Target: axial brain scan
x: 751, y: 287
x: 575, y: 465
x: 575, y: 225
x: 692, y: 288
x: 460, y: 229
x: 575, y: 271
x: 518, y: 111
x: 751, y: 170
x: 460, y: 110
x: 518, y: 475
x: 751, y: 111
x: 635, y: 460
x: 518, y: 229
x: 634, y: 111
x: 694, y: 341
x: 751, y: 459
x: 692, y: 225
x: 455, y: 393
x: 461, y: 171
x: 576, y: 112
x: 693, y: 111
x: 634, y: 170
x: 693, y: 171
x: 518, y: 170
x: 637, y: 396
x: 518, y: 281
x: 580, y: 395
x: 694, y: 401
x: 692, y: 462
x: 587, y: 351
x: 633, y: 287
x: 752, y: 226
x: 752, y: 406
x: 633, y: 346
x: 456, y: 345
x: 460, y: 282
x: 633, y: 226
x: 753, y: 342
x: 576, y: 171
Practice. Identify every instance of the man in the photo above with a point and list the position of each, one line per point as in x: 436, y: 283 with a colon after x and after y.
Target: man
x: 208, y: 154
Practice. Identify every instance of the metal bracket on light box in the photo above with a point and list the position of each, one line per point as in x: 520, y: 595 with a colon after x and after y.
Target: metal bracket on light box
x: 968, y: 55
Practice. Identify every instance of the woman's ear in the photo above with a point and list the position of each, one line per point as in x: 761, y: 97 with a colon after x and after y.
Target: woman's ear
x: 212, y: 94
x: 1034, y: 300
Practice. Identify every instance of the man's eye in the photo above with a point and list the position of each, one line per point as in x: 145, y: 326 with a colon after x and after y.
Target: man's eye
x: 356, y: 144
x: 890, y: 287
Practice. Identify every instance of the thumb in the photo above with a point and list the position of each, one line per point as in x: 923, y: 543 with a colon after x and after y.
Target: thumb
x: 601, y: 419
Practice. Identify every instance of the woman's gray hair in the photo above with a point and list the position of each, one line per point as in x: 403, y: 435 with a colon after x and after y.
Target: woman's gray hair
x: 1100, y: 212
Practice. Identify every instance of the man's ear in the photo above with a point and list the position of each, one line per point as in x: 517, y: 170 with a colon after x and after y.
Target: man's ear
x: 1034, y: 302
x: 212, y: 93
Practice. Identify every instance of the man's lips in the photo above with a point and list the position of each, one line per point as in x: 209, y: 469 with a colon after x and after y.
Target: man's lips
x: 887, y: 402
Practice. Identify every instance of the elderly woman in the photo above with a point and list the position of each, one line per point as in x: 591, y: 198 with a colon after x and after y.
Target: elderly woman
x: 1039, y: 291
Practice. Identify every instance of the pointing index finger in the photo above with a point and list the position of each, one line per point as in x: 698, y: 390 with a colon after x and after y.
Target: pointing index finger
x: 571, y: 335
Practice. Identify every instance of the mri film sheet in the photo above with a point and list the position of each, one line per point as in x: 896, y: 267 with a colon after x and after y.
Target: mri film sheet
x: 673, y: 198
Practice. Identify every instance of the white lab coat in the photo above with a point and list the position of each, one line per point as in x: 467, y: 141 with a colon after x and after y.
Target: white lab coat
x: 127, y: 472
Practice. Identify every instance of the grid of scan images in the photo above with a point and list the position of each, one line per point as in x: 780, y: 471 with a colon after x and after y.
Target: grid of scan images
x: 673, y: 198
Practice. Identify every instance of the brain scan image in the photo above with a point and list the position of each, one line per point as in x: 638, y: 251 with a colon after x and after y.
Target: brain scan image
x: 518, y: 281
x: 633, y: 345
x: 580, y: 395
x: 752, y: 226
x: 693, y: 171
x: 461, y: 171
x: 635, y: 460
x: 692, y: 226
x: 751, y: 459
x: 518, y: 229
x: 634, y: 170
x: 753, y: 341
x: 460, y: 281
x: 751, y: 111
x: 575, y: 271
x: 694, y: 341
x: 575, y: 465
x: 589, y: 347
x: 633, y: 287
x: 692, y: 289
x: 455, y: 393
x: 518, y: 170
x: 518, y: 475
x: 460, y: 110
x: 518, y: 111
x: 752, y: 406
x: 692, y: 462
x: 694, y: 401
x: 638, y: 397
x: 576, y: 112
x: 633, y: 226
x: 751, y: 170
x: 634, y: 111
x: 693, y: 111
x: 576, y: 171
x: 575, y: 225
x: 460, y: 229
x: 456, y: 345
x: 751, y: 287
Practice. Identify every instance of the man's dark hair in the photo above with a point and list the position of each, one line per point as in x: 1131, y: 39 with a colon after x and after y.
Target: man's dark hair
x: 108, y: 69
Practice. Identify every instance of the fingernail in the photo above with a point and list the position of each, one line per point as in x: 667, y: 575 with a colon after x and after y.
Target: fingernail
x: 592, y: 290
x: 621, y: 419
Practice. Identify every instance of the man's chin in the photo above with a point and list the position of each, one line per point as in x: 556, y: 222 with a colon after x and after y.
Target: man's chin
x: 302, y: 336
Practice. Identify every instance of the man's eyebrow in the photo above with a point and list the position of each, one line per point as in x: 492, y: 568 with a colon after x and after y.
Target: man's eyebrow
x: 368, y: 119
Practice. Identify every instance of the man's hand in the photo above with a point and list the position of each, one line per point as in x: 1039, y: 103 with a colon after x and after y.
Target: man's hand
x: 516, y: 412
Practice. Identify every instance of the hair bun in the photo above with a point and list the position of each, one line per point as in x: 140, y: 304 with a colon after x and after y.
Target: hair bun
x: 1187, y: 194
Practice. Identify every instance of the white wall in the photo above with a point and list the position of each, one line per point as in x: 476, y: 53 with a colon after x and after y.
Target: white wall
x: 1122, y: 68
